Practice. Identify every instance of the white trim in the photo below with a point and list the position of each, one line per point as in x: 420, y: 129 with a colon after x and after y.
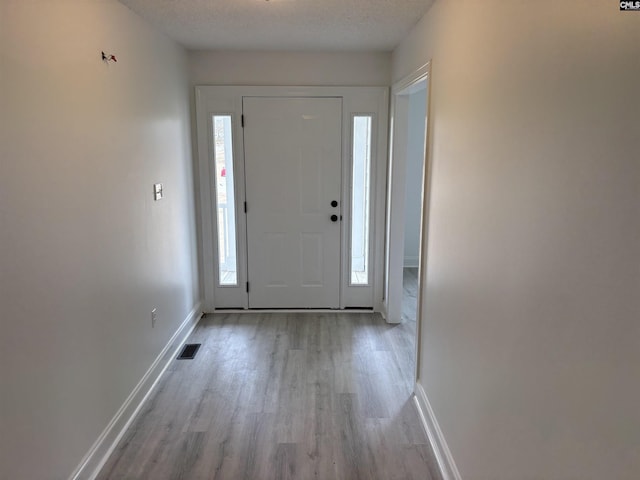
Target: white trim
x: 96, y: 457
x: 206, y: 176
x: 383, y: 311
x: 292, y: 310
x: 405, y: 83
x: 444, y: 459
x: 424, y: 227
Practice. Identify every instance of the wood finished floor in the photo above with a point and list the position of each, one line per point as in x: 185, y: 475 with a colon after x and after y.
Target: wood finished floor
x: 282, y: 396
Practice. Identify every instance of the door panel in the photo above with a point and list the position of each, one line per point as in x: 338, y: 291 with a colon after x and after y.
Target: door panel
x: 293, y: 172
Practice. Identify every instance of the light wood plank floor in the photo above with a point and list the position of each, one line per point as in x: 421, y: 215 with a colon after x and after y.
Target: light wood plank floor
x: 282, y: 396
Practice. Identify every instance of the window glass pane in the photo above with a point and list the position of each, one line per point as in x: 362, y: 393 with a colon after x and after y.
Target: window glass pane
x: 360, y: 199
x: 225, y: 200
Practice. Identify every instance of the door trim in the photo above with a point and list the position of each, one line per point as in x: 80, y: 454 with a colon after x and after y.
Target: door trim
x: 211, y: 100
x: 395, y: 195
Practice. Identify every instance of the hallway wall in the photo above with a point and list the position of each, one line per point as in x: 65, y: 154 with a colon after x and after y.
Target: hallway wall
x: 530, y: 341
x: 85, y: 252
x: 370, y: 69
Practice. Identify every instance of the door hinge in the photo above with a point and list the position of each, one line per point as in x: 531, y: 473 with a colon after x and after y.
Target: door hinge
x: 242, y: 120
x: 245, y: 207
x: 247, y: 287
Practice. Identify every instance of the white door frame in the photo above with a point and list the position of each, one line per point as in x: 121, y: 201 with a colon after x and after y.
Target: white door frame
x: 396, y: 194
x: 394, y: 233
x: 212, y: 100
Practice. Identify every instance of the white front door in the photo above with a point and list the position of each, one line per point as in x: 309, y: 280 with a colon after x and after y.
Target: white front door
x: 293, y: 178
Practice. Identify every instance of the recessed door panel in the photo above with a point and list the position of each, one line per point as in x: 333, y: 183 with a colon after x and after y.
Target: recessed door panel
x: 312, y: 256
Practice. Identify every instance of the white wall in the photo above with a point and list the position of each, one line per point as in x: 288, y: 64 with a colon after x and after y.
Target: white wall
x: 531, y: 334
x: 289, y: 68
x: 85, y: 252
x: 413, y: 185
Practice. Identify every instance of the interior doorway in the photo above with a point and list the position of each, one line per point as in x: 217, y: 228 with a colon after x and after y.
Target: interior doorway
x: 407, y: 199
x: 415, y: 162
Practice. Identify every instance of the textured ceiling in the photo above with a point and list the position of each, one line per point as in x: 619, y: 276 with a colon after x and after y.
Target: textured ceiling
x: 331, y: 25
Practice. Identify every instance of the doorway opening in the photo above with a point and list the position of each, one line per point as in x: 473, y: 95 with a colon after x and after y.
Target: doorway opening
x: 415, y: 162
x: 407, y: 199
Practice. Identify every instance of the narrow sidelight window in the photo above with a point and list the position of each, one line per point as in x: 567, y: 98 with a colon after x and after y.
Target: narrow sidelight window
x: 225, y: 200
x: 360, y: 199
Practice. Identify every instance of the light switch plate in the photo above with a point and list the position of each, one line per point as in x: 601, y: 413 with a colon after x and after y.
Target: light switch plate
x: 157, y: 191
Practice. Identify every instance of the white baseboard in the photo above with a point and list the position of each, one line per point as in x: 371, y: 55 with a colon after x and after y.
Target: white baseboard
x: 290, y: 310
x: 446, y: 465
x: 385, y: 315
x: 98, y: 454
x: 383, y: 310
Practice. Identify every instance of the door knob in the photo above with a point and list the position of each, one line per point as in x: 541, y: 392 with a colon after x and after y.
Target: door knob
x: 334, y: 218
x: 334, y: 203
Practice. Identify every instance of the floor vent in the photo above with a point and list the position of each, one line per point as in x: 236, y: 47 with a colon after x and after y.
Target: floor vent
x: 189, y: 351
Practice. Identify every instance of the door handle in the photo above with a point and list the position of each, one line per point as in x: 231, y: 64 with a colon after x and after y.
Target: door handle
x: 334, y: 218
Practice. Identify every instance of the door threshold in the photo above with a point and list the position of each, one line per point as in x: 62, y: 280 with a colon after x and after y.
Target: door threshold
x: 291, y: 310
